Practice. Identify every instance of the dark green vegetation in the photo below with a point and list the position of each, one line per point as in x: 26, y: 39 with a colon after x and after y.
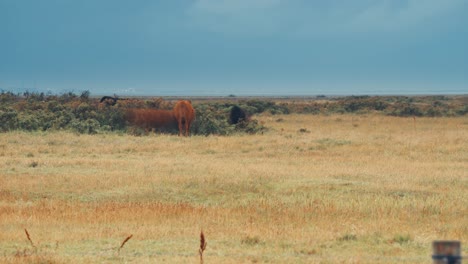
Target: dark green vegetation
x: 85, y: 114
x: 404, y: 106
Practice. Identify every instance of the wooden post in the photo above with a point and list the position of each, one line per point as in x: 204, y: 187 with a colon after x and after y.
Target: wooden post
x: 446, y: 252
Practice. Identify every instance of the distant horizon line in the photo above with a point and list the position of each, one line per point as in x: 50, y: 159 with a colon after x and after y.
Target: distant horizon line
x: 16, y: 90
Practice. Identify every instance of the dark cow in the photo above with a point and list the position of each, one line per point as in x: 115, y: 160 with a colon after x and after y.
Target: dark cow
x: 109, y: 100
x: 237, y: 115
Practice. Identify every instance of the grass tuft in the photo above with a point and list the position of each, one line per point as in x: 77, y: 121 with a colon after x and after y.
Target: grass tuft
x: 401, y: 239
x: 348, y: 237
x: 33, y: 164
x: 251, y: 240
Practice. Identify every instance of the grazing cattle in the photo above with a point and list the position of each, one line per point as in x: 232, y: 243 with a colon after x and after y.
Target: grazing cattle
x: 184, y: 114
x: 237, y: 115
x: 152, y: 119
x: 109, y: 100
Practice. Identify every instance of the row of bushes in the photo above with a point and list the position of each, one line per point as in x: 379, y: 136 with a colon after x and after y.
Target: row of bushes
x: 404, y: 106
x: 83, y: 114
x: 83, y: 119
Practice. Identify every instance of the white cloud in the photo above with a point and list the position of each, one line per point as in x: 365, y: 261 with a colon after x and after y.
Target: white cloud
x: 236, y: 16
x: 233, y: 7
x: 267, y: 17
x: 383, y: 15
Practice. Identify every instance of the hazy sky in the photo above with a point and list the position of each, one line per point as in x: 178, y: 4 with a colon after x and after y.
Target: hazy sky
x: 221, y: 47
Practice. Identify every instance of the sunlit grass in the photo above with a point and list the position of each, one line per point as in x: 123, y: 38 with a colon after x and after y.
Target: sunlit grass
x: 339, y: 188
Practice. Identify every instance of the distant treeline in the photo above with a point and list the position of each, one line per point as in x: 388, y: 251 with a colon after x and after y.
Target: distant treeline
x: 403, y: 106
x: 84, y: 114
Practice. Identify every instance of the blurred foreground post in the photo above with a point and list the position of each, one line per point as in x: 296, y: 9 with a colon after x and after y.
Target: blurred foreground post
x: 446, y: 252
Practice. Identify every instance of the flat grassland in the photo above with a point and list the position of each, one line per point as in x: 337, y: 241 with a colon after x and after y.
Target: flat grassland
x: 312, y: 189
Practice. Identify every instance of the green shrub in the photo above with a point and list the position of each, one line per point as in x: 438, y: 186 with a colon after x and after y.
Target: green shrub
x: 38, y: 111
x: 85, y: 111
x: 28, y: 122
x: 84, y: 96
x: 112, y: 117
x: 8, y: 97
x: 67, y: 97
x: 89, y: 126
x: 462, y: 111
x: 212, y: 118
x: 405, y: 110
x: 207, y: 122
x: 250, y: 127
x: 8, y: 119
x: 261, y: 106
x: 62, y: 120
x: 55, y: 106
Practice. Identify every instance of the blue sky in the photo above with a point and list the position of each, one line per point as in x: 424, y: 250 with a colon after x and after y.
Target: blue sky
x: 241, y: 47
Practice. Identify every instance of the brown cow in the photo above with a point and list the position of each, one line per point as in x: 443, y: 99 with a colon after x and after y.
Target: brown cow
x: 185, y: 114
x: 149, y: 119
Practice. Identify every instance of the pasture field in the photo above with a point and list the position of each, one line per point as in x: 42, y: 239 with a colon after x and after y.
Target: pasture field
x: 311, y: 189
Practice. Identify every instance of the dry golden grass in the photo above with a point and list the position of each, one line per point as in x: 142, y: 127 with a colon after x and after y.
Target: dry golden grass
x: 313, y: 189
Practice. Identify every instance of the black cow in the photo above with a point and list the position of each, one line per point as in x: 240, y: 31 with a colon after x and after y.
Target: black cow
x: 109, y: 100
x: 237, y: 115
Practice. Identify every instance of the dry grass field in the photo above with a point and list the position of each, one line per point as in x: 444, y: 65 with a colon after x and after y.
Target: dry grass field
x: 312, y: 189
